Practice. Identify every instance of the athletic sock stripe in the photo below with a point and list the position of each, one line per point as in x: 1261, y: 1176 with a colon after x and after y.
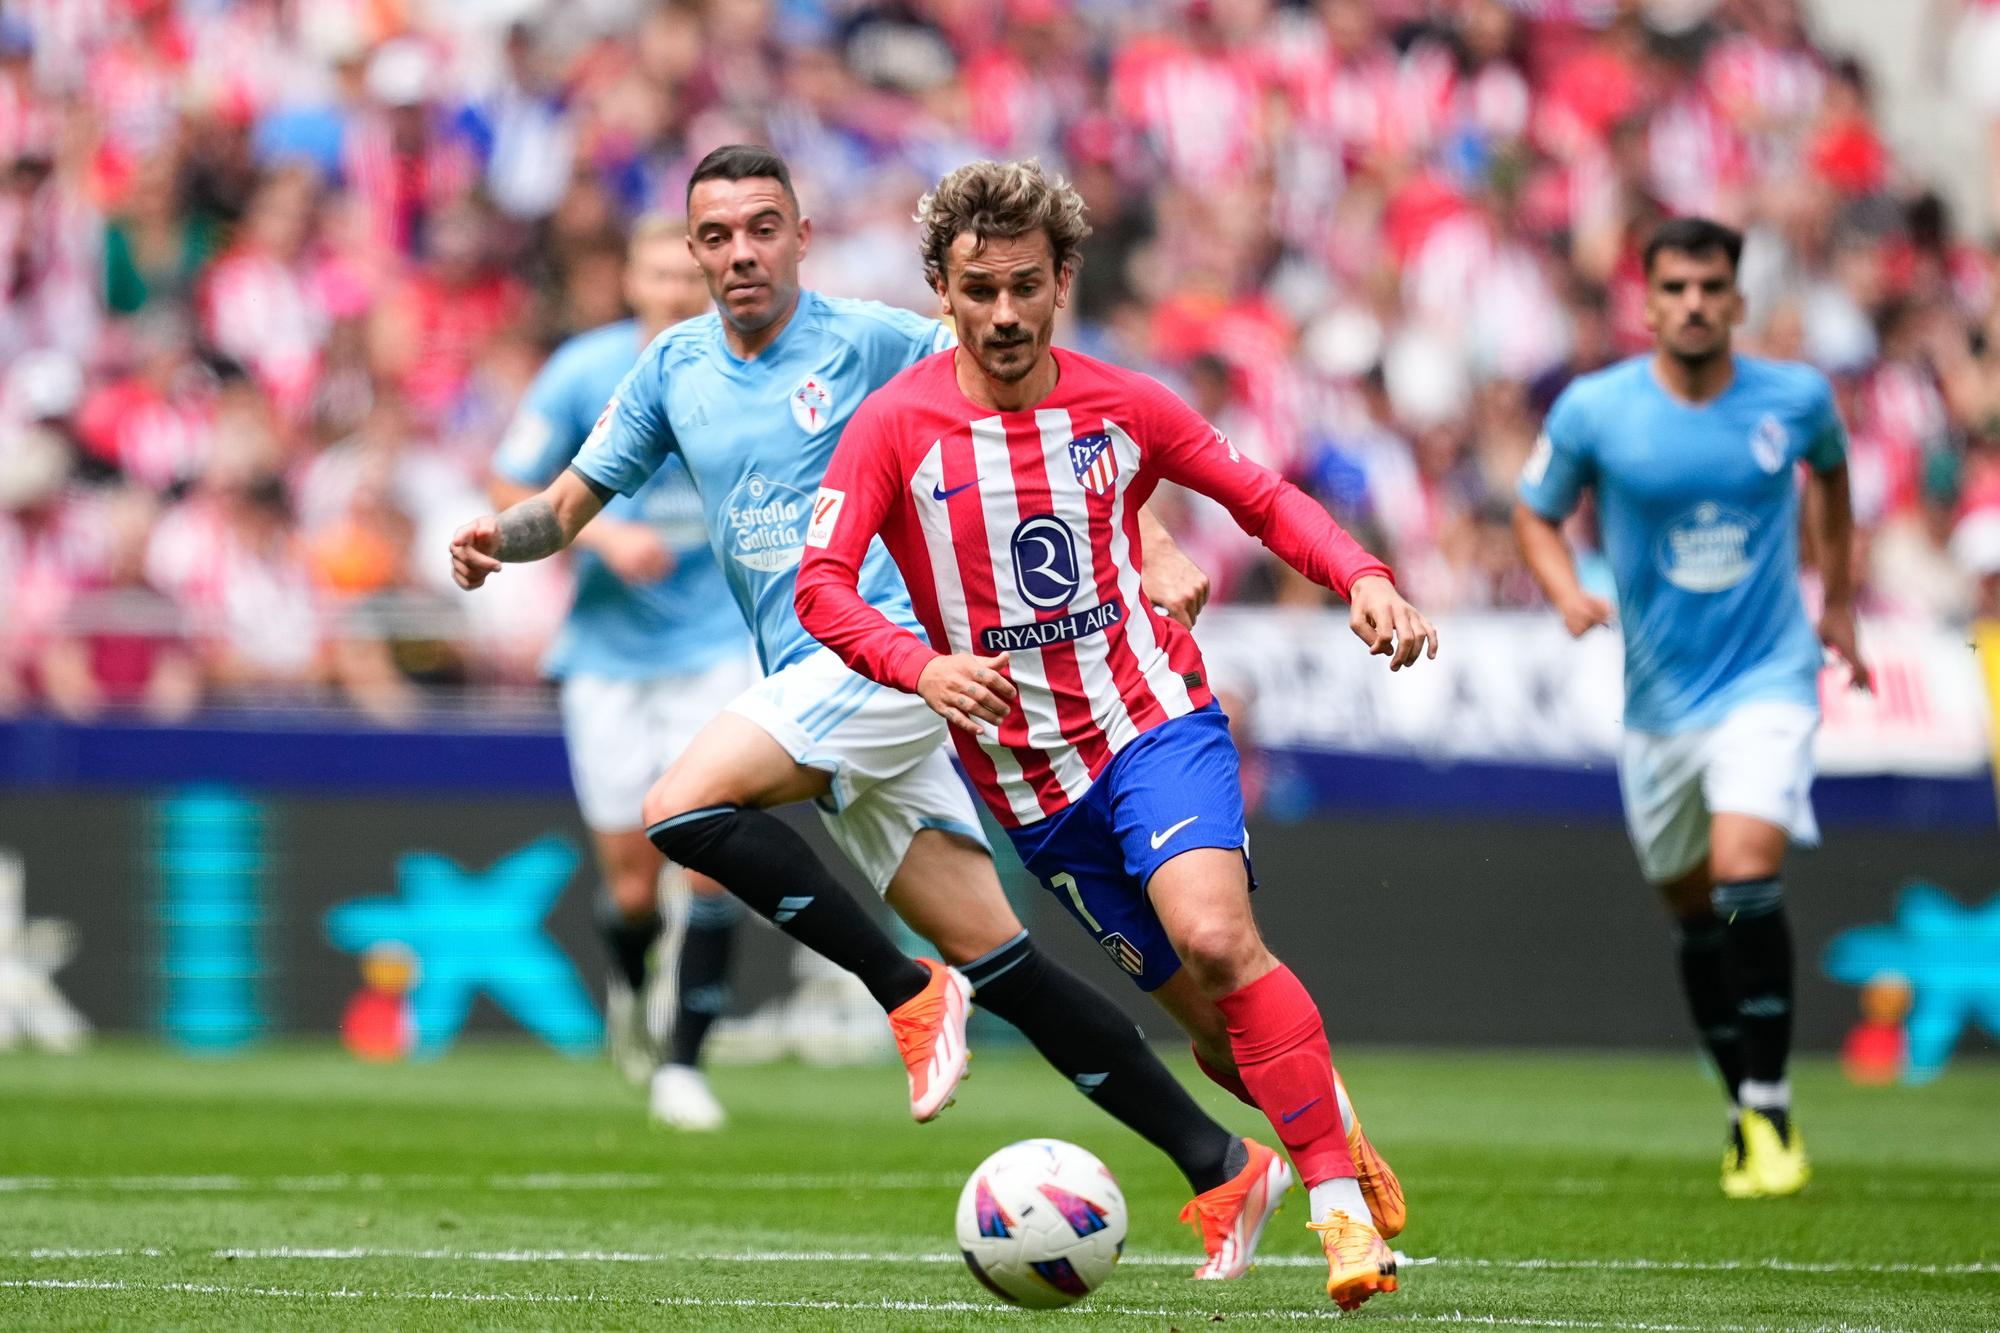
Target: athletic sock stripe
x: 689, y: 816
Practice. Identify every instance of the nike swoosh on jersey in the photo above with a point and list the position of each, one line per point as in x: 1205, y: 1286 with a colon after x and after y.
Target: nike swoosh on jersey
x: 938, y: 492
x: 1160, y: 838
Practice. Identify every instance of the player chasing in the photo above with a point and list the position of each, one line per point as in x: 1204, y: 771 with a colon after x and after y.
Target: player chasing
x: 1692, y: 453
x: 752, y: 400
x: 1005, y: 477
x: 652, y: 649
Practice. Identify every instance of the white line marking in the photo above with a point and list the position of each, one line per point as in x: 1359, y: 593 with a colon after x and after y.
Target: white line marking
x: 352, y: 1253
x: 940, y: 1307
x: 536, y: 1182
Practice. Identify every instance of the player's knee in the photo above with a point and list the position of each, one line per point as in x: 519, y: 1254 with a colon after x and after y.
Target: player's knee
x: 665, y: 799
x: 1220, y: 955
x: 635, y: 893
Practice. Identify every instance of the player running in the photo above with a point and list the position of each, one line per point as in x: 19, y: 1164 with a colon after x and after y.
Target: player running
x: 1006, y: 478
x: 652, y: 649
x: 752, y: 400
x: 1693, y: 454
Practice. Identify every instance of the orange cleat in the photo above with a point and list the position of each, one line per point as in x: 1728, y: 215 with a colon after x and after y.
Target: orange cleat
x: 1230, y: 1218
x: 1379, y: 1185
x: 1359, y: 1263
x: 930, y: 1033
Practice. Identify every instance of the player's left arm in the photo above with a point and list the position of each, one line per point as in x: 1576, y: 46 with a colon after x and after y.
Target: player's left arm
x: 1184, y: 448
x: 1829, y: 507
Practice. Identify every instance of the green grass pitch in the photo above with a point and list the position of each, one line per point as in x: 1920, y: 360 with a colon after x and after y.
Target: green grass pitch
x: 505, y: 1187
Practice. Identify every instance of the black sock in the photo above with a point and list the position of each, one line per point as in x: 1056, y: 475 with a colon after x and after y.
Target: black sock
x: 703, y: 993
x: 629, y: 939
x: 1709, y: 983
x: 1760, y: 956
x: 764, y: 863
x: 1080, y: 1031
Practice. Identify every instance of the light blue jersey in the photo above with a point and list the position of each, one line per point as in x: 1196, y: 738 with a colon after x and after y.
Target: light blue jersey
x: 680, y: 625
x: 1699, y: 508
x: 756, y: 436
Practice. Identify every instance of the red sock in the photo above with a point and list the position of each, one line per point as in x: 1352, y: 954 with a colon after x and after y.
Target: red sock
x: 1228, y: 1080
x: 1285, y: 1063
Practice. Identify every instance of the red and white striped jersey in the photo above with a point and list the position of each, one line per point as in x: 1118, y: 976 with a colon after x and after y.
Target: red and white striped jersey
x: 1018, y: 532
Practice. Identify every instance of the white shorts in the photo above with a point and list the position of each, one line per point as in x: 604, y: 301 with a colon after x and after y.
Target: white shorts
x: 1757, y: 761
x: 622, y: 734
x: 892, y: 773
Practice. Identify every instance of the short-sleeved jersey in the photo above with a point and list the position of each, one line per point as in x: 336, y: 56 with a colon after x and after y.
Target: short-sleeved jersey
x: 1018, y: 532
x: 1699, y: 507
x: 756, y: 436
x: 680, y: 624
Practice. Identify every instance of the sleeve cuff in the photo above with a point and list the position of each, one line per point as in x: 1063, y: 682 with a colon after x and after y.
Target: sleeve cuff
x: 909, y: 664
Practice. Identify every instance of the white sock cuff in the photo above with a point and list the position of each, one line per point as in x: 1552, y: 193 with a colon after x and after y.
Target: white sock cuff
x: 1765, y: 1096
x: 1342, y: 1194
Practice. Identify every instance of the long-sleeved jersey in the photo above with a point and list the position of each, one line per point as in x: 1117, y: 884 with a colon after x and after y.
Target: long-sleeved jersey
x: 1018, y: 532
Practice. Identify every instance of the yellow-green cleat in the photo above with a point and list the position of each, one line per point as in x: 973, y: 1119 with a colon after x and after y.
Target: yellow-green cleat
x: 1737, y: 1182
x: 1774, y: 1161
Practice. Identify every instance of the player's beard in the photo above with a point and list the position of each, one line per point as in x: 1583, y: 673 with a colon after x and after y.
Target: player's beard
x: 1715, y: 348
x: 1012, y: 371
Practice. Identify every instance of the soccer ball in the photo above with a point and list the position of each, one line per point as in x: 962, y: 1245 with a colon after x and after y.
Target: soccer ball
x: 1041, y: 1223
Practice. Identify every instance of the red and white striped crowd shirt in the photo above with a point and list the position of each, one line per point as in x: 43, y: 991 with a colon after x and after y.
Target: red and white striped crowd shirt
x: 1018, y: 532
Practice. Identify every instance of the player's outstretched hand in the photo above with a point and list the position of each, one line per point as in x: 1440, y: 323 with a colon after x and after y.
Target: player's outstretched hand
x: 965, y: 690
x: 1585, y: 614
x: 1174, y: 583
x: 1390, y: 626
x: 472, y: 551
x: 1836, y: 631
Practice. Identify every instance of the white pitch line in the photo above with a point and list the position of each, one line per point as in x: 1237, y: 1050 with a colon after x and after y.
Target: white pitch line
x: 1093, y: 1309
x: 545, y: 1181
x: 353, y: 1253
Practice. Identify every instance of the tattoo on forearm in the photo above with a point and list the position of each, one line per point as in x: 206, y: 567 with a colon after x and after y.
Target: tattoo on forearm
x: 529, y: 531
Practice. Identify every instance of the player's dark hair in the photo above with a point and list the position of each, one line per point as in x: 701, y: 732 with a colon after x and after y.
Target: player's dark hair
x: 742, y: 162
x: 1695, y: 236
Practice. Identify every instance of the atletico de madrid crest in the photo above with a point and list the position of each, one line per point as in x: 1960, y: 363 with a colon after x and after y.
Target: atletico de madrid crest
x: 1095, y: 462
x: 812, y: 405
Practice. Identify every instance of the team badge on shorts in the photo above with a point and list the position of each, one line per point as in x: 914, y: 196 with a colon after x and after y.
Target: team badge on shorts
x: 1094, y: 461
x: 812, y: 405
x: 1123, y: 954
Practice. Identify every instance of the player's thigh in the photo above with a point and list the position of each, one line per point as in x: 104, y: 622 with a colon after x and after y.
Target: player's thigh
x: 948, y: 892
x: 1758, y: 785
x: 731, y: 761
x: 1666, y: 815
x: 1075, y: 857
x: 1202, y: 898
x: 679, y: 707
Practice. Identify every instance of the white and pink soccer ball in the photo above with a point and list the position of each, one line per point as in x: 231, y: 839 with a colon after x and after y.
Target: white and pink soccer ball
x: 1041, y: 1223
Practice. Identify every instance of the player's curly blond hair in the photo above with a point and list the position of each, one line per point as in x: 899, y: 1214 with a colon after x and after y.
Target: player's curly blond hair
x: 1000, y: 200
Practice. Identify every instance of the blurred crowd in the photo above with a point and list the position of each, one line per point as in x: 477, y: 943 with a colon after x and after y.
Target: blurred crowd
x: 277, y: 272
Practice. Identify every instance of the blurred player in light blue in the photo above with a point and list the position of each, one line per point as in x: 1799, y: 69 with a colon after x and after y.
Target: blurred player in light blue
x: 1694, y: 455
x: 652, y: 650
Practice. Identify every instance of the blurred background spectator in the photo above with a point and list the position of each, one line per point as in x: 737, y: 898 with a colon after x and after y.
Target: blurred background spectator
x: 276, y: 271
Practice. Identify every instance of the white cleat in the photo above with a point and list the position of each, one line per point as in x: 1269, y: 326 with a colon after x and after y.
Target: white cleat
x: 682, y: 1100
x: 627, y: 1035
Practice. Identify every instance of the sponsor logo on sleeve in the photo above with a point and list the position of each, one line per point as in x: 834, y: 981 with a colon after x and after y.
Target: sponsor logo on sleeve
x: 825, y: 513
x: 603, y: 425
x: 1770, y: 443
x: 1537, y: 465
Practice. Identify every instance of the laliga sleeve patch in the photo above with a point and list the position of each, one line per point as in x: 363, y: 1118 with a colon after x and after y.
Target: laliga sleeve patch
x: 598, y: 431
x: 826, y: 512
x: 1537, y: 466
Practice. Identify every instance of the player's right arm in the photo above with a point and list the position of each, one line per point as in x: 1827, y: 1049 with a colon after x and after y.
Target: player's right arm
x: 534, y: 529
x: 631, y: 439
x: 1551, y: 484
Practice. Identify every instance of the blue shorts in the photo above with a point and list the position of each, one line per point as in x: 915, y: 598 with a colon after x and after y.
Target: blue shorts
x: 1172, y: 790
